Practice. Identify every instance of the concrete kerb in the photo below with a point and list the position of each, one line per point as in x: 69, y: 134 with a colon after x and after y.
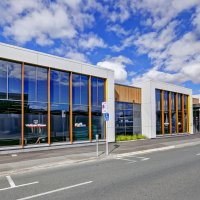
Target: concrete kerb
x: 93, y: 159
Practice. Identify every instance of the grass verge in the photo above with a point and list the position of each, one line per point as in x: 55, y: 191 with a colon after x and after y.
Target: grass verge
x: 129, y: 137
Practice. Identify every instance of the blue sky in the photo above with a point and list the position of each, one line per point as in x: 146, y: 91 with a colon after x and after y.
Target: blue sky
x: 139, y: 40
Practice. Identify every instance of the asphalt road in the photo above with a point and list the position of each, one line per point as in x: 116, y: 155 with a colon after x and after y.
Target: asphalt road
x: 173, y: 175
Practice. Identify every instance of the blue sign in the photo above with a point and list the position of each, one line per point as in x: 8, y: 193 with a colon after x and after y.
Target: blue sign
x: 106, y: 116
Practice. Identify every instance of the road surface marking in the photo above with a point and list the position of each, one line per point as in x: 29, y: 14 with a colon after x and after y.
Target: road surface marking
x: 143, y: 158
x: 53, y: 191
x: 198, y: 154
x: 126, y: 159
x: 11, y: 182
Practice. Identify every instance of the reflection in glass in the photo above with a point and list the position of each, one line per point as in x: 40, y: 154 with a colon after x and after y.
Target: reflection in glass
x: 97, y: 97
x: 97, y: 123
x: 158, y: 112
x: 29, y: 83
x: 127, y: 118
x: 84, y: 90
x: 14, y: 81
x: 76, y: 89
x: 59, y: 122
x: 3, y: 79
x: 80, y: 123
x: 166, y: 112
x: 173, y: 106
x: 80, y: 107
x: 10, y: 123
x: 35, y: 105
x: 59, y: 87
x: 180, y: 128
x: 35, y: 118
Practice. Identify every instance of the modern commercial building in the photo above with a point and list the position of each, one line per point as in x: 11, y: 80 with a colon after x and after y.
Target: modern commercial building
x: 166, y: 109
x: 47, y: 100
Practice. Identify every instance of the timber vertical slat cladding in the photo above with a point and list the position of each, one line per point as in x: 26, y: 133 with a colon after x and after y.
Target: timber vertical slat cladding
x: 70, y: 109
x: 127, y: 94
x: 162, y: 112
x: 170, y: 113
x: 22, y: 107
x: 90, y: 109
x: 48, y: 109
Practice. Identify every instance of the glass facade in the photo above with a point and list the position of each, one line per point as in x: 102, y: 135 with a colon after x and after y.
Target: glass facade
x: 10, y: 103
x: 166, y: 112
x: 59, y: 98
x: 158, y: 112
x: 80, y: 107
x: 34, y: 80
x: 97, y: 97
x: 174, y: 109
x: 127, y: 118
x: 35, y: 105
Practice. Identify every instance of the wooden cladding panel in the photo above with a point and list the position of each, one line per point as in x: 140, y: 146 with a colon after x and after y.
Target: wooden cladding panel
x: 127, y: 94
x: 195, y: 101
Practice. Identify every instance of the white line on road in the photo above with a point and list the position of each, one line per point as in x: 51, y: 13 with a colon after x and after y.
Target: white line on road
x: 198, y: 154
x: 53, y: 191
x: 11, y: 182
x: 143, y: 158
x: 126, y: 159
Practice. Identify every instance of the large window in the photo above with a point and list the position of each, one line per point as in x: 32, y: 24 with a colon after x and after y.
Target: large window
x: 35, y: 104
x: 80, y: 107
x: 158, y: 112
x: 127, y: 118
x: 10, y: 103
x: 180, y: 129
x: 97, y: 97
x: 185, y: 113
x: 178, y: 117
x: 59, y: 90
x: 173, y: 106
x: 166, y: 111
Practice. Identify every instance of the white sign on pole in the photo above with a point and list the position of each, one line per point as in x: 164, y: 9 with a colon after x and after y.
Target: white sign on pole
x: 104, y: 107
x: 63, y: 114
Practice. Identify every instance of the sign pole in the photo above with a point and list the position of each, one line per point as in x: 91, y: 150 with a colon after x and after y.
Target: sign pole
x: 106, y: 138
x: 97, y: 144
x: 106, y: 119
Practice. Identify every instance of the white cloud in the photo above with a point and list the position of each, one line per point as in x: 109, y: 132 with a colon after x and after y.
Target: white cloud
x: 189, y: 72
x: 127, y: 42
x: 43, y: 21
x: 91, y: 41
x: 117, y: 29
x: 74, y: 55
x: 118, y: 64
x: 162, y: 11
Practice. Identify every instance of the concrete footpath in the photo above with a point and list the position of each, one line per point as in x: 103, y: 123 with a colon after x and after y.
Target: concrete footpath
x: 18, y: 162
